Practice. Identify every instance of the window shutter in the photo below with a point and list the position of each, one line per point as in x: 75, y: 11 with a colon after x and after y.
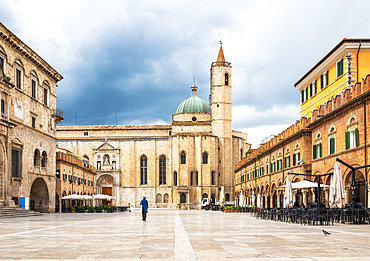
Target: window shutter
x: 327, y: 77
x: 338, y: 68
x: 302, y: 96
x: 299, y: 156
x: 341, y: 66
x: 311, y: 90
x: 332, y: 145
x: 347, y: 138
x: 320, y: 150
x: 314, y: 151
x: 288, y: 161
x: 294, y: 160
x: 356, y: 137
x: 315, y: 86
x: 322, y: 81
x: 306, y: 93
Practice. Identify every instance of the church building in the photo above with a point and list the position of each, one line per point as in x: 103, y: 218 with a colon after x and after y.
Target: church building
x: 174, y: 165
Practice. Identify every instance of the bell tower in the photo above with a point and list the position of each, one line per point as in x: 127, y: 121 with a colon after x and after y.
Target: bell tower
x: 220, y: 101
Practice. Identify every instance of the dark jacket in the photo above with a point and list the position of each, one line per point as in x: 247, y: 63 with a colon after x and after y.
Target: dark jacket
x: 144, y: 204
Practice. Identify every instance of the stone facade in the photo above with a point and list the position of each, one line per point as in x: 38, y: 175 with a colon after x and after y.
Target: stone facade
x: 74, y: 176
x: 28, y: 124
x: 174, y: 165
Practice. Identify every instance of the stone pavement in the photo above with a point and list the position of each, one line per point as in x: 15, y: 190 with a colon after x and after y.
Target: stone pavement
x: 177, y: 235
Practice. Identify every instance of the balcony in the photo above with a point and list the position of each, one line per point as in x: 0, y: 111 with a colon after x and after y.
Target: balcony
x: 58, y: 115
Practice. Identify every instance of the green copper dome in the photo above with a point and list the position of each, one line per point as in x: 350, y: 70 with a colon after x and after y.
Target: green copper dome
x: 193, y: 103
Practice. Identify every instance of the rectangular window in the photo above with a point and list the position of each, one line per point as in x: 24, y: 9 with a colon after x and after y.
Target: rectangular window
x: 332, y: 146
x: 322, y: 81
x: 88, y: 182
x: 306, y: 96
x: 288, y: 158
x: 2, y: 67
x: 351, y: 139
x: 2, y: 106
x: 302, y: 96
x: 294, y: 160
x: 314, y: 152
x: 45, y: 96
x: 311, y: 90
x: 33, y: 122
x: 340, y: 68
x: 267, y: 168
x: 320, y: 150
x: 33, y: 88
x: 57, y: 173
x: 18, y: 82
x: 92, y: 183
x: 86, y: 133
x: 315, y: 87
x: 16, y: 163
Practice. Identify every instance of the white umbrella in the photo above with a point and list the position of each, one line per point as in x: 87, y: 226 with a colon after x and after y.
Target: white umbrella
x: 110, y: 198
x: 288, y: 196
x: 336, y: 193
x: 93, y: 198
x: 305, y: 184
x: 259, y: 200
x: 222, y: 194
x: 241, y: 198
x: 253, y: 198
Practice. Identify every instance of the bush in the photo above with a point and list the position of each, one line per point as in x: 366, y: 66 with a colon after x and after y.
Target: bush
x: 90, y: 208
x: 110, y: 208
x: 82, y: 209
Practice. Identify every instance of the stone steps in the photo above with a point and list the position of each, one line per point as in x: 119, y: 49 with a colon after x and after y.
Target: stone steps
x: 9, y: 212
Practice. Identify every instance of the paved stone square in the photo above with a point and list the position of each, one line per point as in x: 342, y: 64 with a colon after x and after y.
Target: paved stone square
x: 177, y: 235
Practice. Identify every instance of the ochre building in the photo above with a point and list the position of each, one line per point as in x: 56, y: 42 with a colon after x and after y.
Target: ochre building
x: 334, y: 124
x: 174, y: 165
x: 27, y: 126
x: 74, y: 175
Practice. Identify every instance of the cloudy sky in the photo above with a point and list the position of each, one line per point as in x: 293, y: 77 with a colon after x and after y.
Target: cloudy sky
x: 138, y: 58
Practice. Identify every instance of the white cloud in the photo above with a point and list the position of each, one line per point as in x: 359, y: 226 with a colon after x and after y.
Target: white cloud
x: 258, y: 134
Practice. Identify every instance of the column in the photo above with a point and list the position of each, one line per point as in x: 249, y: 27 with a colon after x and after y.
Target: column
x: 305, y: 198
x: 347, y: 195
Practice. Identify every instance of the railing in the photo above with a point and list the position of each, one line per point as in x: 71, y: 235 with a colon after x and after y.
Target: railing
x: 59, y: 115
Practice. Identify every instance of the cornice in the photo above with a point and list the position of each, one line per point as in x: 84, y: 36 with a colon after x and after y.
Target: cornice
x: 19, y: 46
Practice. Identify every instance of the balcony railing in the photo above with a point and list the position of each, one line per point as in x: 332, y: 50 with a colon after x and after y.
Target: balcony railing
x: 58, y: 114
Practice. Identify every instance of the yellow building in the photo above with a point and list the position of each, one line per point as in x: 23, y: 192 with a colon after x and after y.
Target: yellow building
x: 346, y: 64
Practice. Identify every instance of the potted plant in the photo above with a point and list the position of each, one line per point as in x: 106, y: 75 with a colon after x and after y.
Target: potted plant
x: 99, y: 209
x: 227, y: 209
x: 239, y: 209
x: 81, y: 209
x: 232, y: 209
x: 73, y: 208
x: 90, y: 209
x: 110, y: 208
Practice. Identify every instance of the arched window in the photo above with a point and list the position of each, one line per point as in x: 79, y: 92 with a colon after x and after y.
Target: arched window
x: 205, y: 195
x: 165, y: 198
x: 36, y: 158
x: 162, y: 170
x: 205, y: 158
x: 226, y: 79
x: 86, y: 157
x: 175, y: 178
x: 143, y: 171
x: 183, y: 158
x: 44, y: 159
x: 227, y: 197
x: 158, y: 198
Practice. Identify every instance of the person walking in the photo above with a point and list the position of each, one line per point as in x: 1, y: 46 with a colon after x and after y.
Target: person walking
x: 144, y: 207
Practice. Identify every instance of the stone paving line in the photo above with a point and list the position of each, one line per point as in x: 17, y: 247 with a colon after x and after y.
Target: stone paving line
x: 176, y: 235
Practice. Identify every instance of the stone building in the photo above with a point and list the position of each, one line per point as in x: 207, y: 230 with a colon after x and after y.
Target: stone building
x: 74, y: 175
x: 334, y: 108
x: 28, y: 124
x: 173, y: 165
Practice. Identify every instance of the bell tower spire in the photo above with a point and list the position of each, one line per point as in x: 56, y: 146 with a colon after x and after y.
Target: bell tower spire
x: 220, y: 101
